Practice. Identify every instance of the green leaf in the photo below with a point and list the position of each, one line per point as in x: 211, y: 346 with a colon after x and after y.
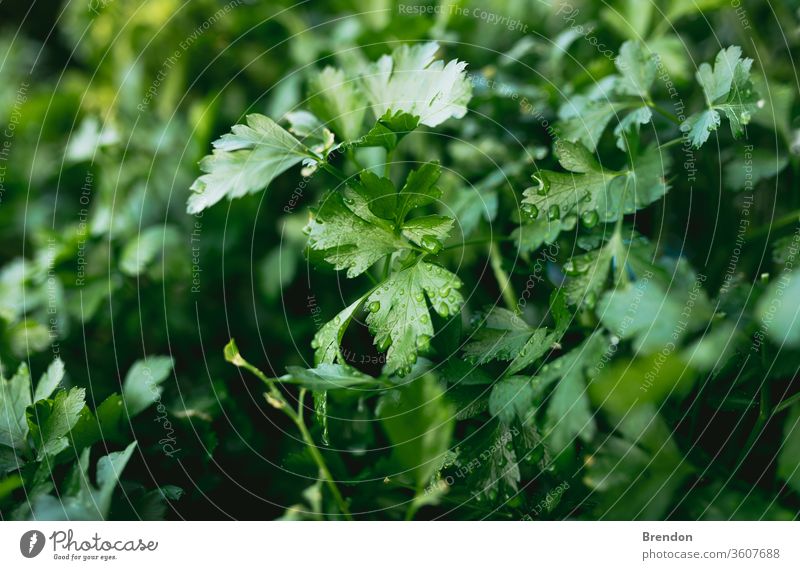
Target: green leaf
x: 347, y: 240
x: 428, y: 232
x: 330, y: 377
x: 142, y: 386
x: 419, y: 424
x: 655, y: 317
x: 9, y: 461
x: 589, y: 188
x: 505, y: 336
x: 245, y: 161
x: 336, y: 99
x: 490, y: 461
x: 84, y: 501
x: 50, y: 421
x: 398, y: 314
x: 727, y: 89
x: 389, y: 130
x: 569, y: 413
x: 327, y: 340
x: 751, y: 166
x: 410, y: 80
x: 15, y: 397
x: 142, y: 251
x: 637, y: 70
x: 583, y: 120
x: 378, y: 193
x: 530, y: 237
x: 789, y: 456
x: 512, y: 398
x: 419, y: 189
x: 779, y: 311
x: 636, y: 477
x: 49, y: 380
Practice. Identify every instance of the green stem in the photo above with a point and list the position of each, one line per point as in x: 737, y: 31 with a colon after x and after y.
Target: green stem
x: 787, y: 403
x: 317, y: 456
x: 668, y: 144
x: 275, y: 398
x: 387, y: 266
x: 503, y: 280
x: 790, y: 218
x: 331, y: 169
x: 388, y: 165
x: 664, y: 113
x: 477, y: 241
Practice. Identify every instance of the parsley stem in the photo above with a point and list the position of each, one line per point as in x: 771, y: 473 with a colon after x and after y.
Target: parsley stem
x: 664, y: 113
x: 670, y: 143
x: 503, y: 280
x: 331, y: 169
x: 276, y: 399
x: 387, y: 168
x: 477, y: 241
x: 790, y: 218
x: 787, y: 403
x: 297, y: 417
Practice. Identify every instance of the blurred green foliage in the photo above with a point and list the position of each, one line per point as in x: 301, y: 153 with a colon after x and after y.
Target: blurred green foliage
x: 107, y: 108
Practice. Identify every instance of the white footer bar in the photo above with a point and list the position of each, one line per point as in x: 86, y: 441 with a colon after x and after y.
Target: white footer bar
x: 390, y: 545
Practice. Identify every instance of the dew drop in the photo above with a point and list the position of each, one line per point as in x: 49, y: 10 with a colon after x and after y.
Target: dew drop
x: 374, y: 306
x: 553, y: 212
x: 419, y: 297
x: 430, y: 244
x: 423, y: 342
x: 590, y: 218
x: 530, y: 211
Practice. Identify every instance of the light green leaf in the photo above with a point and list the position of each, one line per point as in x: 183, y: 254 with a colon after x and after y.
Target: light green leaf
x: 326, y: 341
x: 50, y: 421
x: 779, y: 311
x: 727, y: 89
x: 655, y: 317
x: 637, y: 70
x: 410, y: 80
x: 428, y: 232
x: 398, y: 314
x: 142, y: 386
x: 589, y: 188
x: 584, y: 120
x: 15, y: 397
x: 336, y: 99
x: 419, y: 423
x: 50, y: 380
x: 347, y: 240
x: 245, y: 161
x: 569, y: 414
x: 330, y: 377
x: 140, y: 252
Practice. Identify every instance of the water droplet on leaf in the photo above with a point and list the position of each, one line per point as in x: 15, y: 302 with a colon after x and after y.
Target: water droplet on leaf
x: 590, y: 218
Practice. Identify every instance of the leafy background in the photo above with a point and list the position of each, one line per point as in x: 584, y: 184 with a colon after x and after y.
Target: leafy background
x: 110, y: 105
